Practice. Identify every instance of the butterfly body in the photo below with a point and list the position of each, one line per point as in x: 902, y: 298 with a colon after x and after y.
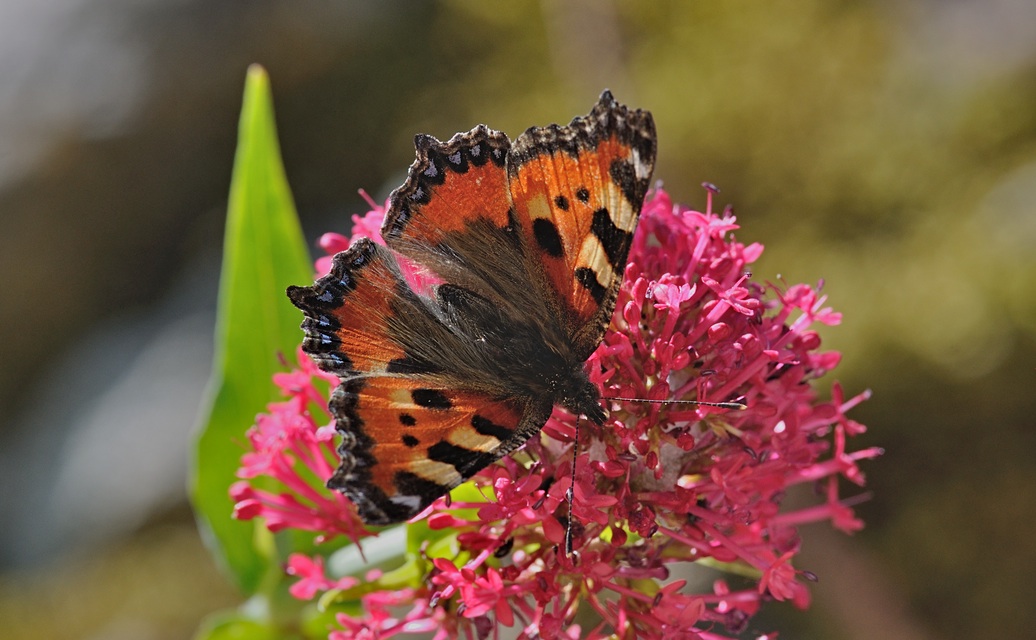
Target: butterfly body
x: 527, y: 242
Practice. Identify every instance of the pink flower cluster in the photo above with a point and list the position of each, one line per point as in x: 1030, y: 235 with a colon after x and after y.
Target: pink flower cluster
x: 676, y: 525
x: 289, y: 445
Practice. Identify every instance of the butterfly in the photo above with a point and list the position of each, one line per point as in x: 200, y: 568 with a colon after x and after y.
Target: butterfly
x: 527, y: 241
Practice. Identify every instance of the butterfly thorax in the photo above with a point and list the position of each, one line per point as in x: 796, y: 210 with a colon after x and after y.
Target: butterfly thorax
x: 531, y: 359
x: 505, y: 354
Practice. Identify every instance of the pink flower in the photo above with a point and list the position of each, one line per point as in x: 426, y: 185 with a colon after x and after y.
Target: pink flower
x: 382, y: 620
x: 659, y: 486
x: 290, y: 447
x: 369, y: 226
x: 310, y: 572
x: 365, y: 226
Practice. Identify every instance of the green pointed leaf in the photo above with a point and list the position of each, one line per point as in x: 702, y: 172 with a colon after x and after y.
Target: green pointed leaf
x: 264, y: 252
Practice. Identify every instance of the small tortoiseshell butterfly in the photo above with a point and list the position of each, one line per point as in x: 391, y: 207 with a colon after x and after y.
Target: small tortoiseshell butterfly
x: 529, y: 243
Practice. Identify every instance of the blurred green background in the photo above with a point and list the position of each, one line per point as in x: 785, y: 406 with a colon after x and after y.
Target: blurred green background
x: 888, y: 148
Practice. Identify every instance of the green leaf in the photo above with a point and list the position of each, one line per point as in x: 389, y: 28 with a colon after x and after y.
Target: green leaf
x: 264, y: 252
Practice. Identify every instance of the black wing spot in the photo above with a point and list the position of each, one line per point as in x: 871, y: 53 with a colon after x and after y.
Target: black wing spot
x: 407, y: 420
x: 547, y: 237
x: 410, y: 440
x: 614, y: 240
x: 411, y: 484
x: 498, y: 156
x: 394, y: 226
x: 486, y: 427
x: 421, y: 195
x: 431, y: 399
x: 561, y: 202
x: 625, y: 176
x: 479, y: 153
x: 434, y: 174
x: 363, y: 255
x: 588, y: 278
x: 583, y: 194
x: 458, y: 161
x: 465, y: 461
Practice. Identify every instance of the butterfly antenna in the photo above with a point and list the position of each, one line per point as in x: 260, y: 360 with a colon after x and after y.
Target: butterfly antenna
x: 571, y: 493
x: 737, y: 406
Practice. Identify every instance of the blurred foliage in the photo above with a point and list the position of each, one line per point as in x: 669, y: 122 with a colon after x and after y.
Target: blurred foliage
x: 157, y: 586
x: 854, y: 143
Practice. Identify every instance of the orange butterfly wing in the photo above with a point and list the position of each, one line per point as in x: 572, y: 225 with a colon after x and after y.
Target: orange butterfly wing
x: 410, y: 444
x: 449, y: 186
x: 578, y: 192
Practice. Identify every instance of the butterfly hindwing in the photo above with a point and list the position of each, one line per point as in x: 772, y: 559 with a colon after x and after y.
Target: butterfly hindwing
x: 407, y: 442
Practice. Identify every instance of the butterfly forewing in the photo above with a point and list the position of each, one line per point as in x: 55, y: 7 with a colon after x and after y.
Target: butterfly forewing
x: 348, y: 312
x: 578, y: 192
x: 453, y: 214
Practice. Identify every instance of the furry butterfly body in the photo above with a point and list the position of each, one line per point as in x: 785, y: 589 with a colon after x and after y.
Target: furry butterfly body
x: 528, y: 242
